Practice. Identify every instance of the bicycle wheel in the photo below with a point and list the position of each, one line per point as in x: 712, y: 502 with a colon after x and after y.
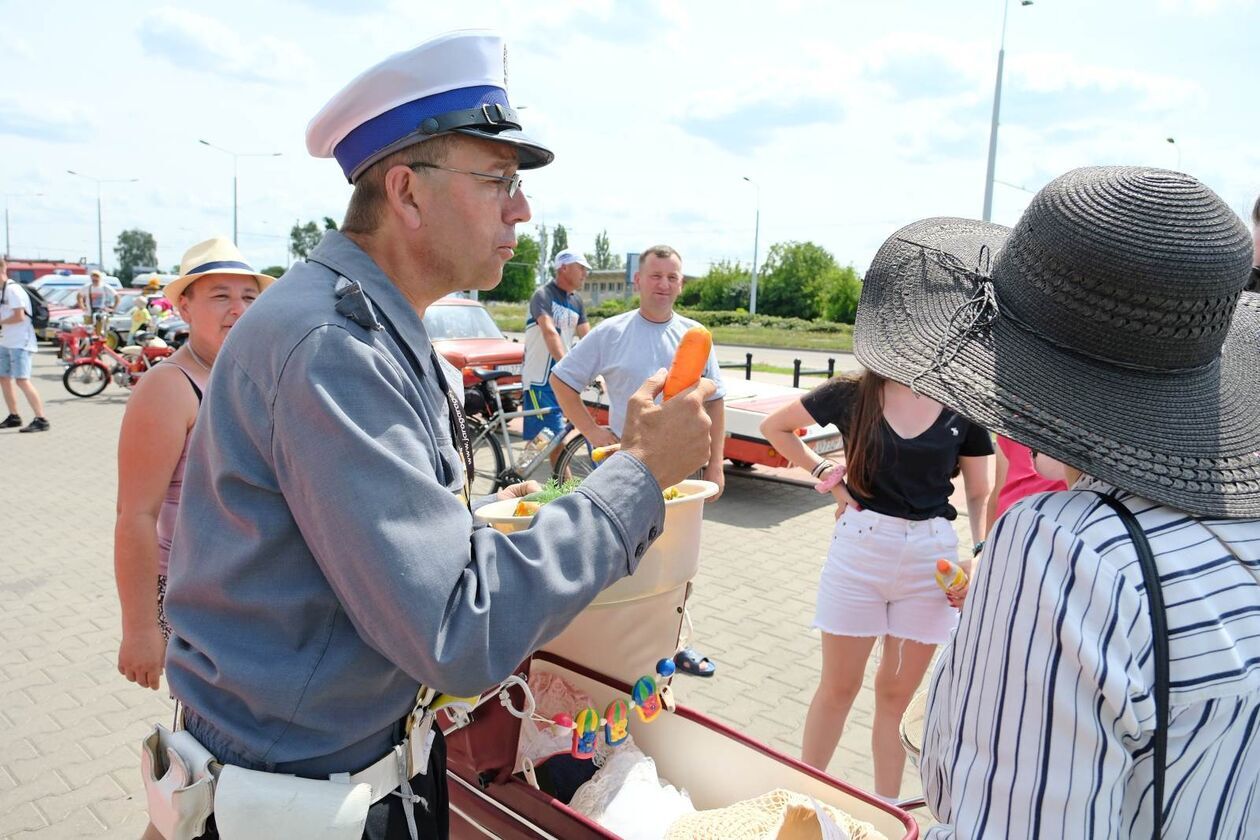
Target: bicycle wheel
x: 85, y: 379
x: 575, y: 461
x: 487, y: 454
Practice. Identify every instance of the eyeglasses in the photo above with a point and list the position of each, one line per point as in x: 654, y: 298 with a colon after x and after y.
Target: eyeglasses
x: 511, y: 183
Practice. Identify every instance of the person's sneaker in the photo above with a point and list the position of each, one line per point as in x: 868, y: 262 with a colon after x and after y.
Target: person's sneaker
x: 39, y: 424
x: 11, y: 422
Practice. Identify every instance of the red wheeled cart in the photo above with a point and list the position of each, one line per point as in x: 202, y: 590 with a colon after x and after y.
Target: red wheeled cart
x: 609, y: 646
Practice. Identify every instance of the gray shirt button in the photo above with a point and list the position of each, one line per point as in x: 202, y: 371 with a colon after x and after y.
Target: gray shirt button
x: 652, y: 533
x: 638, y: 552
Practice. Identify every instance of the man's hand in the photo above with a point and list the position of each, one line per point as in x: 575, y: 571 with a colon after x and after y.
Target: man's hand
x: 717, y: 474
x: 601, y: 436
x: 515, y: 491
x: 141, y: 656
x: 671, y: 439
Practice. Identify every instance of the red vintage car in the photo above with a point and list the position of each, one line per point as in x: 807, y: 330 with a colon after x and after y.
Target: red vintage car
x: 467, y: 337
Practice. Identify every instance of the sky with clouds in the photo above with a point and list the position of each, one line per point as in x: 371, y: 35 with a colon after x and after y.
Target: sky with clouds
x: 852, y: 118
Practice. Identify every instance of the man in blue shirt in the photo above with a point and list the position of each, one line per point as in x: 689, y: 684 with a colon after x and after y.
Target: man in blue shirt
x: 324, y: 565
x: 557, y: 318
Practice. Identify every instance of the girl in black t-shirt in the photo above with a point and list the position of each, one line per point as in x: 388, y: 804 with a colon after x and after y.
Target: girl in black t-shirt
x: 893, y: 523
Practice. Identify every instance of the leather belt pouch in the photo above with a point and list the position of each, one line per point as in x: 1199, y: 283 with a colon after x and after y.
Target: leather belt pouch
x: 178, y: 774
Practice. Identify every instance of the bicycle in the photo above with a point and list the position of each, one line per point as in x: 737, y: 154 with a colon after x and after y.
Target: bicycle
x: 88, y: 374
x: 495, y: 462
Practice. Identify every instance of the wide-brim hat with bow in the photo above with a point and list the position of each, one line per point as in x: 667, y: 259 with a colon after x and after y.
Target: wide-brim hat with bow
x: 214, y: 256
x: 1107, y: 329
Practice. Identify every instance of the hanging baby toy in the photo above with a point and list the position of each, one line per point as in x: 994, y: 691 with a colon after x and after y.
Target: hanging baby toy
x: 647, y: 698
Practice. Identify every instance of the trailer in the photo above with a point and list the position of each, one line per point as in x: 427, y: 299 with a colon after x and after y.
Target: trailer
x: 747, y: 404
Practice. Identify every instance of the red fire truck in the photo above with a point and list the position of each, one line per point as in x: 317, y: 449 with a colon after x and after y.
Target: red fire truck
x: 24, y: 271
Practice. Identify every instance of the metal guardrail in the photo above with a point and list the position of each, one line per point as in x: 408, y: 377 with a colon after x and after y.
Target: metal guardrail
x: 746, y: 365
x: 797, y: 370
x: 797, y: 373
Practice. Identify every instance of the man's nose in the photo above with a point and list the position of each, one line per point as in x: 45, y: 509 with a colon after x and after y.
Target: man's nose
x: 517, y: 210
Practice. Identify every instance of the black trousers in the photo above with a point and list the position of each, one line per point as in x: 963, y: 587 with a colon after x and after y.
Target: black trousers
x: 387, y: 820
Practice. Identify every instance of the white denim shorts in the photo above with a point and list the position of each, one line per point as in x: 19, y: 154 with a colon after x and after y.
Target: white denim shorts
x: 880, y: 578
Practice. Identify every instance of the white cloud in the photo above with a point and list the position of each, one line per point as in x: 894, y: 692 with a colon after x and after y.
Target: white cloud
x: 1204, y: 7
x: 44, y: 120
x: 196, y: 42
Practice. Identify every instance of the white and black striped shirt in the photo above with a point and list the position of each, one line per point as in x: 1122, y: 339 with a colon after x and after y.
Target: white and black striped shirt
x: 1041, y: 713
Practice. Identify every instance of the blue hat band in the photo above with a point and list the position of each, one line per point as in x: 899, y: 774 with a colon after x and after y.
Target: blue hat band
x: 397, y: 123
x: 218, y: 265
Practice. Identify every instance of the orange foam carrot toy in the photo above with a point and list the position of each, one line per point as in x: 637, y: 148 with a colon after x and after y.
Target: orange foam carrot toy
x: 689, y: 361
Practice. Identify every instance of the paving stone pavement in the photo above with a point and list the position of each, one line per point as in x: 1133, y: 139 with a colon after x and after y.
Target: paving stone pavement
x: 70, y: 724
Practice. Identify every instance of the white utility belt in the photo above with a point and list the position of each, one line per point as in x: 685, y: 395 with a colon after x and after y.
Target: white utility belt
x: 392, y: 770
x: 184, y: 784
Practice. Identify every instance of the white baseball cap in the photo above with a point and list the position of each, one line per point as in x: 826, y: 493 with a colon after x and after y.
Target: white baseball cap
x: 568, y: 256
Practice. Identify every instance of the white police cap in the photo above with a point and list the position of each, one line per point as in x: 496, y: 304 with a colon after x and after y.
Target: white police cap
x: 455, y: 82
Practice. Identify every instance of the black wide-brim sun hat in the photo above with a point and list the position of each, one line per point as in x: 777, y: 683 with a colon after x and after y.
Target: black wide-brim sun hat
x: 1107, y: 329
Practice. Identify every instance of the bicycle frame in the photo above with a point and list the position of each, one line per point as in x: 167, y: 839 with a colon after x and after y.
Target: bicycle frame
x: 497, y: 425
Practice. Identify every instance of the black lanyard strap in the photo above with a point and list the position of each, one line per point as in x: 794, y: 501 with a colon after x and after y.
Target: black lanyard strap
x: 1159, y: 644
x: 459, y: 425
x: 355, y: 305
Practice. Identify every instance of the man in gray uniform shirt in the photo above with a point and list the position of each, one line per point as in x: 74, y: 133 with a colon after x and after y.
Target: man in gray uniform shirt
x: 324, y: 566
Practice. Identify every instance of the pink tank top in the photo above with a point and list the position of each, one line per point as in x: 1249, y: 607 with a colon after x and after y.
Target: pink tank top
x: 1022, y: 479
x: 170, y: 504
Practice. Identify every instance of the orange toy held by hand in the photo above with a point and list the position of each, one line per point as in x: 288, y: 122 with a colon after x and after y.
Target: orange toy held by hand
x: 689, y: 361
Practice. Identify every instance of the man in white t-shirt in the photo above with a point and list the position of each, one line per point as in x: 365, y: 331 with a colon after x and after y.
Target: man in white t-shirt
x: 627, y: 349
x: 17, y: 346
x: 630, y: 347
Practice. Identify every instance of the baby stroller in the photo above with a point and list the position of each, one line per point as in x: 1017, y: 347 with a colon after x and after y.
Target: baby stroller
x: 604, y: 653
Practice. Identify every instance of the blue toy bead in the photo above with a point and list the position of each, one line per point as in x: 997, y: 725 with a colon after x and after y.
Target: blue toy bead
x: 665, y: 667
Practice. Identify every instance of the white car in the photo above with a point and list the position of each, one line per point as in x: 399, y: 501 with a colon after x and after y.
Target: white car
x: 69, y: 281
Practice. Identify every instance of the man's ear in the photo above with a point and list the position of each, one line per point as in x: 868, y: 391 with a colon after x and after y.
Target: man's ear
x: 400, y: 187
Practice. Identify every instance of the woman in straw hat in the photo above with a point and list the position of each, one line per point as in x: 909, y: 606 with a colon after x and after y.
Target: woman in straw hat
x: 1104, y: 679
x: 214, y: 288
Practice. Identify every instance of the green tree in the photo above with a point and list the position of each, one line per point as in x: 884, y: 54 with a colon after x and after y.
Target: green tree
x: 520, y: 274
x: 135, y: 248
x: 329, y: 223
x: 725, y: 286
x: 304, y: 238
x: 792, y: 278
x: 604, y: 258
x: 559, y: 241
x: 274, y: 270
x: 838, y: 293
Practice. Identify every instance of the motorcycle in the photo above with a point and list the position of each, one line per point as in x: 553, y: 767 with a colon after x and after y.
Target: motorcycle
x: 90, y: 372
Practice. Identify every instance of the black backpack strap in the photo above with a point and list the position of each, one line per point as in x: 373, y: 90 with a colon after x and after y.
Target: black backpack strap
x: 1159, y: 644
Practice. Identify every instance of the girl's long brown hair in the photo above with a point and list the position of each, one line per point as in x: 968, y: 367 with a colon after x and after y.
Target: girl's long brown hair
x: 861, y: 442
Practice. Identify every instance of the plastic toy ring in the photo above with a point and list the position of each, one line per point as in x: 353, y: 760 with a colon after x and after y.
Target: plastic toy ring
x: 505, y: 698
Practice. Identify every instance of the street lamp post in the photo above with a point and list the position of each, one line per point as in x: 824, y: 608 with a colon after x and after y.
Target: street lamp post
x: 997, y: 107
x: 7, y: 250
x: 752, y: 285
x: 236, y: 156
x: 100, y: 239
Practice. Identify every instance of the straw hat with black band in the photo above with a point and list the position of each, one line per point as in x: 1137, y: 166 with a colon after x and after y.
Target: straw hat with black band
x: 1108, y: 329
x: 214, y: 256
